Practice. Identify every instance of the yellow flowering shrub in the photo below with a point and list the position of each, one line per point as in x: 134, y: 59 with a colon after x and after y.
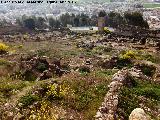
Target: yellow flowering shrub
x: 56, y: 91
x: 3, y: 48
x: 106, y: 30
x: 20, y: 46
x: 44, y: 113
x: 128, y: 55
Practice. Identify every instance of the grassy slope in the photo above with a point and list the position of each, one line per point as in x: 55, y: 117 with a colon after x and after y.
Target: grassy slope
x: 151, y: 5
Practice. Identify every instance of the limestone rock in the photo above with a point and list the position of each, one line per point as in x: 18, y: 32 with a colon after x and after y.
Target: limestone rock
x: 138, y: 114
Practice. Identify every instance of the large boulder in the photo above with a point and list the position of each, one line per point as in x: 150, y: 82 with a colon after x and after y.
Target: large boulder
x: 138, y: 114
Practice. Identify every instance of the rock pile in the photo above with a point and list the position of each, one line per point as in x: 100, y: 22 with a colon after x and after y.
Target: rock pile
x: 89, y: 45
x: 108, y: 109
x: 41, y: 68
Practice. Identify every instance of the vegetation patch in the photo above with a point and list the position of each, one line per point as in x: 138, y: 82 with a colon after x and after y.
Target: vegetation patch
x: 4, y: 62
x: 9, y: 87
x: 28, y: 99
x: 84, y: 69
x: 131, y: 98
x: 3, y: 48
x: 86, y: 97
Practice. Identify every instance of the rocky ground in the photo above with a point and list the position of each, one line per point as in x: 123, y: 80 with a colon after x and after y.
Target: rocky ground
x: 79, y: 76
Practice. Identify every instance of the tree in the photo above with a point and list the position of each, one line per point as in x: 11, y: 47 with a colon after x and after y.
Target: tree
x: 136, y: 19
x: 40, y: 22
x: 51, y: 22
x: 54, y: 23
x: 93, y: 20
x: 102, y: 14
x: 65, y: 19
x: 19, y: 22
x: 115, y: 20
x: 57, y: 24
x: 76, y: 22
x: 84, y: 19
x: 29, y: 23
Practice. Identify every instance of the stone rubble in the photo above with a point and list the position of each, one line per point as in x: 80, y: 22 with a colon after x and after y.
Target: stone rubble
x: 49, y: 67
x: 109, y: 107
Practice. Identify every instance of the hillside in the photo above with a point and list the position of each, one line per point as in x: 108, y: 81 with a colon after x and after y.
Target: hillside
x: 80, y: 75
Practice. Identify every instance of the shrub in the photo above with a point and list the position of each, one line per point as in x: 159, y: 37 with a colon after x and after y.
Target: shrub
x: 29, y: 76
x: 125, y: 59
x: 124, y: 63
x: 148, y: 70
x: 3, y: 48
x: 84, y: 69
x: 106, y: 30
x: 128, y: 55
x: 28, y: 100
x: 56, y: 92
x: 41, y: 67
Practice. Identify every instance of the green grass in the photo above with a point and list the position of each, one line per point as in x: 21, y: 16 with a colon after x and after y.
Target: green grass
x: 87, y: 97
x: 105, y: 73
x: 4, y: 62
x: 28, y: 100
x: 151, y: 5
x: 83, y: 94
x: 9, y: 88
x: 129, y: 98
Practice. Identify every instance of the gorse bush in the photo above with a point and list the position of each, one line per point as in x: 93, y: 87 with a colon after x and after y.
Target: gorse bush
x: 3, y: 48
x: 125, y: 59
x: 128, y: 55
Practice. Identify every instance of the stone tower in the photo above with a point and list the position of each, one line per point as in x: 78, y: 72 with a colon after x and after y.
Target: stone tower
x: 101, y: 23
